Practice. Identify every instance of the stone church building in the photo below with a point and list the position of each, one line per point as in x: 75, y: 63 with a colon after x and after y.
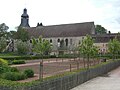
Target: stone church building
x: 65, y: 36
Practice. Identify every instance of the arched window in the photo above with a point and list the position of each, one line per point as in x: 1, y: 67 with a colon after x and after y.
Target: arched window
x: 66, y: 42
x: 50, y: 40
x: 58, y: 40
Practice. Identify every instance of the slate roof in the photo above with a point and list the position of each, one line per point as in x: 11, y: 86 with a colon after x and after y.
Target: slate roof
x: 64, y: 30
x: 105, y: 38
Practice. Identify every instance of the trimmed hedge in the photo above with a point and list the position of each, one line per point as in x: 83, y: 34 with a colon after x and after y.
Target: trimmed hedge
x: 14, y: 76
x: 18, y: 62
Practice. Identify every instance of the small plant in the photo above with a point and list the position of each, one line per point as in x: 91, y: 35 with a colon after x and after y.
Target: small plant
x: 29, y: 72
x: 18, y: 62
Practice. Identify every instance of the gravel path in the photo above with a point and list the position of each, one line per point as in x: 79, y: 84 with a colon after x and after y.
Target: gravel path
x: 109, y: 82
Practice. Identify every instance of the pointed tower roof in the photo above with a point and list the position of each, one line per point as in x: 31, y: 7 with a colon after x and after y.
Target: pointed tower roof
x: 25, y: 13
x: 24, y: 19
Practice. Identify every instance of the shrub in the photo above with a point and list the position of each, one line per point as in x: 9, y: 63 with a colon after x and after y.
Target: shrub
x: 13, y: 76
x: 29, y: 72
x: 3, y: 62
x: 18, y: 62
x: 3, y: 66
x: 14, y: 69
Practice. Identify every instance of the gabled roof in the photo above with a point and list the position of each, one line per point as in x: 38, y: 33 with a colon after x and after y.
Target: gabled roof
x: 105, y: 38
x: 64, y: 30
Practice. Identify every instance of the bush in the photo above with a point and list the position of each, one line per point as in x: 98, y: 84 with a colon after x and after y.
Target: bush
x: 14, y: 76
x: 29, y: 72
x: 3, y: 66
x: 3, y: 62
x: 18, y: 62
x: 14, y: 69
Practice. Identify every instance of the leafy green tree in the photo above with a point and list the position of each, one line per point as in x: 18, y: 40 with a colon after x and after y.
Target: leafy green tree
x: 114, y: 47
x: 3, y: 30
x: 87, y: 48
x: 3, y: 44
x: 100, y: 30
x: 94, y: 52
x: 22, y: 34
x: 22, y: 47
x: 40, y: 46
x: 11, y: 35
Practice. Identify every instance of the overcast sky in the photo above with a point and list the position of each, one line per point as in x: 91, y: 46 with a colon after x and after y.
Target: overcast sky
x: 52, y: 12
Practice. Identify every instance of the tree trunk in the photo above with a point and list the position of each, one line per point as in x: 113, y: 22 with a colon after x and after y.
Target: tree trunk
x: 88, y: 61
x: 84, y: 61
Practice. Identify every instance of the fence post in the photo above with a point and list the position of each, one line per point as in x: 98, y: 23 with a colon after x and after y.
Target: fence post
x: 70, y: 67
x: 41, y: 71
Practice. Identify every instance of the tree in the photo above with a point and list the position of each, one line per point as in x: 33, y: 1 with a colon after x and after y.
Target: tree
x: 3, y: 30
x: 3, y: 44
x: 22, y: 47
x: 40, y: 46
x: 94, y: 52
x: 22, y: 34
x: 87, y: 48
x: 11, y: 35
x: 114, y: 47
x: 100, y: 30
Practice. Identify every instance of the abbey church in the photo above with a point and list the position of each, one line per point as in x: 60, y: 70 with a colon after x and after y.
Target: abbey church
x: 66, y: 36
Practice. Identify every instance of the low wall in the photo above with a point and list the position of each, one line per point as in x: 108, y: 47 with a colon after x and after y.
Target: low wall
x: 70, y: 81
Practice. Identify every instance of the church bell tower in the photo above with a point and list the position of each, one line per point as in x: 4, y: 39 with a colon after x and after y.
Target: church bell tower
x: 24, y: 19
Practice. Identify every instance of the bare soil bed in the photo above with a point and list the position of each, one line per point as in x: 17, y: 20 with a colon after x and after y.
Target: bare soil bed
x: 50, y: 66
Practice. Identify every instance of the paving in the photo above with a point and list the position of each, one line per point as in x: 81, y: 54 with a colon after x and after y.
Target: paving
x: 110, y: 81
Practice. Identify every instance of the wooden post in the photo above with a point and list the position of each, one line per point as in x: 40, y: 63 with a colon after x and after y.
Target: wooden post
x: 70, y: 67
x: 41, y: 71
x: 77, y: 65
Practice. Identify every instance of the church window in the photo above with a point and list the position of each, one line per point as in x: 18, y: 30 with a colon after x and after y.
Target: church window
x: 58, y: 40
x: 66, y: 41
x: 50, y: 40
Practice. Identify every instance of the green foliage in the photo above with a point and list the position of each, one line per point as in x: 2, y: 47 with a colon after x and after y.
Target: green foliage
x: 14, y: 69
x: 11, y: 35
x: 3, y: 44
x: 22, y: 47
x: 29, y: 72
x: 40, y: 46
x: 14, y: 76
x: 3, y: 62
x: 18, y: 62
x: 22, y: 34
x: 100, y: 30
x: 87, y: 49
x: 3, y: 30
x: 3, y: 66
x: 114, y: 47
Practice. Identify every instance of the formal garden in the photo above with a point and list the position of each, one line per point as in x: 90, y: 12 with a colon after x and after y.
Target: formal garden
x: 20, y: 68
